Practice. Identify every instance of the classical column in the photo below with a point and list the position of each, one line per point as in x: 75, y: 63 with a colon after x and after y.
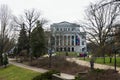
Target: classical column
x: 70, y: 40
x: 59, y: 40
x: 62, y: 41
x: 55, y: 43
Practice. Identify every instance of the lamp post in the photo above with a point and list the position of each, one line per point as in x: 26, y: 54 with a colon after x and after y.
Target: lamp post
x: 115, y: 61
x: 50, y: 55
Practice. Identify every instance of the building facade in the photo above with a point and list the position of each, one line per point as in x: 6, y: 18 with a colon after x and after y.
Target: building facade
x: 67, y: 37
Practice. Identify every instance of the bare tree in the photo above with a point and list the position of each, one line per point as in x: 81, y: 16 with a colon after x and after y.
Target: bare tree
x: 100, y: 20
x: 5, y: 15
x: 31, y: 16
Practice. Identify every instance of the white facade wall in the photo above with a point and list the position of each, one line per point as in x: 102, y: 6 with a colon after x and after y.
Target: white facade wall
x: 63, y: 34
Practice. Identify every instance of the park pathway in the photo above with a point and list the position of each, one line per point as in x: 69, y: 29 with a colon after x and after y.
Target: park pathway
x: 64, y: 75
x: 85, y: 63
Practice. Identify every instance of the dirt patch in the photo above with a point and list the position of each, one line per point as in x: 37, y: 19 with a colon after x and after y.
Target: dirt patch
x: 99, y: 74
x: 59, y: 63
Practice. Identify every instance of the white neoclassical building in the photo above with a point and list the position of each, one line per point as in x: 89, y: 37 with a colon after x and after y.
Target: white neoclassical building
x: 67, y: 37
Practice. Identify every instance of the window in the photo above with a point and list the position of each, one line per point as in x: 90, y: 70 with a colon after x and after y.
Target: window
x: 72, y: 49
x: 57, y: 29
x: 83, y: 43
x: 64, y: 48
x: 69, y: 49
x: 65, y: 40
x: 72, y: 40
x: 83, y: 37
x: 73, y: 29
x: 61, y: 40
x: 57, y: 40
x: 60, y: 29
x: 83, y: 49
x: 68, y: 29
x: 57, y: 49
x: 68, y: 40
x: 60, y: 49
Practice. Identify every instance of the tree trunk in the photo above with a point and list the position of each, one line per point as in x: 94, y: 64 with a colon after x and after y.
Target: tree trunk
x: 103, y: 51
x: 1, y: 59
x: 104, y: 58
x: 110, y: 59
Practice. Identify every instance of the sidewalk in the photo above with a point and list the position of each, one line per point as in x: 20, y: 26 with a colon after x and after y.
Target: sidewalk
x: 64, y: 75
x: 85, y: 63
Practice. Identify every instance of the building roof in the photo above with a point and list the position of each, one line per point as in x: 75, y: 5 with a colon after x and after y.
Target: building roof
x: 65, y: 24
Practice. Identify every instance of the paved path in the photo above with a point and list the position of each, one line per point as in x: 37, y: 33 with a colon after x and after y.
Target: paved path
x: 66, y: 76
x: 85, y: 63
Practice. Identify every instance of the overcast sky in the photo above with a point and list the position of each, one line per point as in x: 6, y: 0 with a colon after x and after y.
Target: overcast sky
x: 53, y: 10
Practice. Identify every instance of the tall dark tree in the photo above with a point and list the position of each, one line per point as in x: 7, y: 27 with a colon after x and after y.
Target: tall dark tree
x: 23, y: 39
x: 38, y: 40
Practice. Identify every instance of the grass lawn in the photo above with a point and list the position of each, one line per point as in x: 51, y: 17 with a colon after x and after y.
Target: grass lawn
x: 72, y: 54
x: 107, y: 59
x: 16, y: 73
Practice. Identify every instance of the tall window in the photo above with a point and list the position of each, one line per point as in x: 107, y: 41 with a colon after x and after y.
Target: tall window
x: 57, y: 49
x: 65, y: 40
x: 61, y: 49
x: 68, y: 40
x: 77, y: 40
x: 64, y: 48
x: 61, y: 39
x: 83, y: 49
x: 68, y: 29
x: 64, y: 29
x: 73, y: 29
x: 57, y: 40
x: 72, y: 49
x: 57, y: 29
x: 82, y: 42
x: 60, y: 29
x: 69, y: 49
x: 72, y: 40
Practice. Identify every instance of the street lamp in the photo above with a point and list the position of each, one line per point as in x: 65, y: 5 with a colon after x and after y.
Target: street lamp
x: 115, y: 61
x: 115, y: 56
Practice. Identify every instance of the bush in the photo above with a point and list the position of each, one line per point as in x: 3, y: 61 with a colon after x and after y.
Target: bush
x: 97, y: 71
x: 46, y: 75
x: 5, y: 59
x: 78, y: 78
x: 99, y: 74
